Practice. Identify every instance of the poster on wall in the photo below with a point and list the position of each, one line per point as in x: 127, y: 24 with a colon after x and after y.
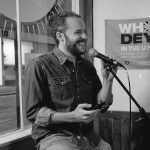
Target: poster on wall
x: 128, y: 41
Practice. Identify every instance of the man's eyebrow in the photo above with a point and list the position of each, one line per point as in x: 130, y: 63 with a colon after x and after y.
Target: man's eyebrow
x: 80, y: 30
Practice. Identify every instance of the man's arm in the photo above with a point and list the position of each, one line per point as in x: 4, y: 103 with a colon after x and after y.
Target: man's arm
x: 35, y: 96
x: 80, y: 114
x: 105, y: 95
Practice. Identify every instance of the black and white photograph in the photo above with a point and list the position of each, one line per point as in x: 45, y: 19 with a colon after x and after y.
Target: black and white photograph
x: 74, y: 75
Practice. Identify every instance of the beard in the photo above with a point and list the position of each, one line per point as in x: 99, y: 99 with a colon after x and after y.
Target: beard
x: 75, y: 48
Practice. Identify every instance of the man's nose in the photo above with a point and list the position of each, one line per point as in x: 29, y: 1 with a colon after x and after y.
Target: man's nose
x: 84, y: 36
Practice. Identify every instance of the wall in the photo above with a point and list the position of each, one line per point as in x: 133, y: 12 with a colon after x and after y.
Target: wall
x: 25, y: 143
x: 120, y: 9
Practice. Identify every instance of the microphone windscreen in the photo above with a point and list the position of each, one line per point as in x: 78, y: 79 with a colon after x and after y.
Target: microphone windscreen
x: 92, y: 52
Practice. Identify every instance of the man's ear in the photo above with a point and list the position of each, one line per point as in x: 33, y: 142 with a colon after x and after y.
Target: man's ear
x: 60, y: 36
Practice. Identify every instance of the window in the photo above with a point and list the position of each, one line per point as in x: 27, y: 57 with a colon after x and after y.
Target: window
x: 23, y: 36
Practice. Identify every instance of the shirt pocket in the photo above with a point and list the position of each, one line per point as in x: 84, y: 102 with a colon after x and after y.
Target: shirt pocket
x: 86, y: 89
x: 87, y: 84
x: 61, y: 90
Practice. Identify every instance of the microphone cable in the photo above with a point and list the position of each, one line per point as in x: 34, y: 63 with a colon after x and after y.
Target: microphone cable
x: 130, y: 114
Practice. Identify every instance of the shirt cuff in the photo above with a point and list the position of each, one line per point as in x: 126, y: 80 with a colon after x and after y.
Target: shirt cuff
x: 44, y: 116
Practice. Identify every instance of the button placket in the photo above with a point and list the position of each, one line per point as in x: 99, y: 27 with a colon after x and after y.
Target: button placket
x: 77, y: 86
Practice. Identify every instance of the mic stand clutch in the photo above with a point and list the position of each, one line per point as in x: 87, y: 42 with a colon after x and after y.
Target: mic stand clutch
x: 143, y: 120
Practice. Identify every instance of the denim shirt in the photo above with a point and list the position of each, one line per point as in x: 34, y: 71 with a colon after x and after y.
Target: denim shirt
x: 54, y: 83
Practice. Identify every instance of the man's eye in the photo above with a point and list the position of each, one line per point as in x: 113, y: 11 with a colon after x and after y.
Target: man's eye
x: 78, y: 32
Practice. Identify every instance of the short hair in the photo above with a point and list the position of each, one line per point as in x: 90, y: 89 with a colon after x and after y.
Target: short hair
x: 57, y: 23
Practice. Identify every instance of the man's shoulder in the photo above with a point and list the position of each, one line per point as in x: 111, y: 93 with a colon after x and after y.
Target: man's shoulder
x: 47, y: 57
x: 42, y: 58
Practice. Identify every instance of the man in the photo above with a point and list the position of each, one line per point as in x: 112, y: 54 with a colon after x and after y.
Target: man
x: 62, y: 87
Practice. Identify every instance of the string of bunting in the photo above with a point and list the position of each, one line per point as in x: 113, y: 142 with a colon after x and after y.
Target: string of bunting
x: 37, y: 27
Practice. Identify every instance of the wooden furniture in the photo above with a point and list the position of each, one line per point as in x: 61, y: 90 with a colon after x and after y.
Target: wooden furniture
x: 114, y: 127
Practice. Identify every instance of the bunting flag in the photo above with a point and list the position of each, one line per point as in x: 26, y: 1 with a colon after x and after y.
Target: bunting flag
x: 36, y: 27
x: 128, y: 41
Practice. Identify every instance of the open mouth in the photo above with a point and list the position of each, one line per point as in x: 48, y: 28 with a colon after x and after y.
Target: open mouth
x: 82, y: 43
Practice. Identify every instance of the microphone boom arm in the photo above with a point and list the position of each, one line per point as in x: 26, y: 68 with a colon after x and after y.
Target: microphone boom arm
x: 143, y: 118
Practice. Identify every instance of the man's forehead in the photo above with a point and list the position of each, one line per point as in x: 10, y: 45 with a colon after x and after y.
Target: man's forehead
x: 75, y: 22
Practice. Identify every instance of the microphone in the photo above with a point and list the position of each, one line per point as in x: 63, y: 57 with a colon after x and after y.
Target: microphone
x: 94, y: 53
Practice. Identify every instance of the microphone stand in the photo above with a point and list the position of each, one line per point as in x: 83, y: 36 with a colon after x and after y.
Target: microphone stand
x: 143, y: 120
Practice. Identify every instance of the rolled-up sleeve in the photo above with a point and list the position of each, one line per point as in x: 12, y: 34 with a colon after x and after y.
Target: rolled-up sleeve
x: 44, y: 116
x: 35, y: 94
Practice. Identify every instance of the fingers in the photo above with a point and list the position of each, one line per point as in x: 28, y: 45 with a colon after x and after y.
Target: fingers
x: 87, y: 118
x: 112, y: 59
x: 84, y: 115
x: 105, y: 71
x: 84, y: 106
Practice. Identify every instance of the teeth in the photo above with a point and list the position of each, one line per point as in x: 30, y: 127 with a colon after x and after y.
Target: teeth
x: 81, y: 43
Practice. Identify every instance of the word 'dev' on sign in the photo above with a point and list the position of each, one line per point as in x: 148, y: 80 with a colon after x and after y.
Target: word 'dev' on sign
x: 139, y: 31
x: 129, y: 42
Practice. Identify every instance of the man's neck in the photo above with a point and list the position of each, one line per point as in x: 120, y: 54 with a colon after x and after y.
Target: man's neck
x: 67, y: 53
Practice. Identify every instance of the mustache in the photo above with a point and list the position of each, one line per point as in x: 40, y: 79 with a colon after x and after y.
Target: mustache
x: 82, y: 40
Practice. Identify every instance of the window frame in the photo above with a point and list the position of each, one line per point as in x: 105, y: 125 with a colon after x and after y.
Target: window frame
x: 22, y: 131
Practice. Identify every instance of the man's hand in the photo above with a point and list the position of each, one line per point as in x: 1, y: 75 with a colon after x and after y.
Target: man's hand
x: 80, y: 114
x: 106, y: 73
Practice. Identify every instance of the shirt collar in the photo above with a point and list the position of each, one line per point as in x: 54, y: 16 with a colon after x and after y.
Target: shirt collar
x: 60, y: 55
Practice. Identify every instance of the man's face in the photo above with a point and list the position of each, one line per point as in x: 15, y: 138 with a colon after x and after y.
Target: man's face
x: 75, y: 36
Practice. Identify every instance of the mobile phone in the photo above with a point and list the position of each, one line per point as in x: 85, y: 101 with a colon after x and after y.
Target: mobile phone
x: 97, y: 106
